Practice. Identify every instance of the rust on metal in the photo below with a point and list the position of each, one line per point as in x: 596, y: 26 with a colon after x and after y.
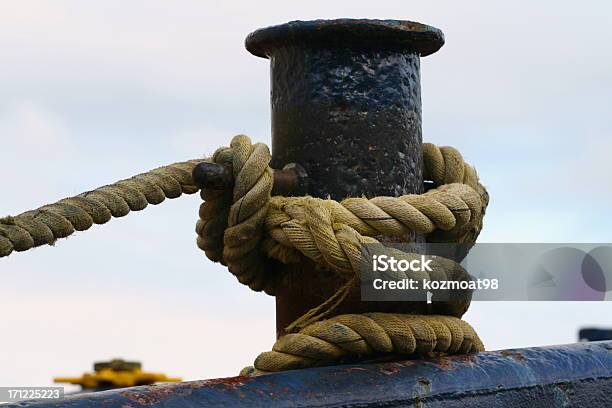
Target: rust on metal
x: 513, y: 353
x: 572, y: 375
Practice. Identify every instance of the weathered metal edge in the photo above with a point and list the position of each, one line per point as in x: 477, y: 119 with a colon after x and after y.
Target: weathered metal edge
x: 570, y: 375
x: 409, y: 35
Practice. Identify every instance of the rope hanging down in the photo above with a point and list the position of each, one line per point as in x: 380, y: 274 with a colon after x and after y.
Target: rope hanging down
x: 243, y: 228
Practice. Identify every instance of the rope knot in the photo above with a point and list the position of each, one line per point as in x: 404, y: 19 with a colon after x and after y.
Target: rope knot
x: 231, y: 223
x: 244, y: 228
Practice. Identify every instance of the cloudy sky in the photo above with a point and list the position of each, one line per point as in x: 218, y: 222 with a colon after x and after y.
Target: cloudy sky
x: 92, y: 92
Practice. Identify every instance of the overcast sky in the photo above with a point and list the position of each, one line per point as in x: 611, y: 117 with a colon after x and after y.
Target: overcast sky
x: 92, y: 92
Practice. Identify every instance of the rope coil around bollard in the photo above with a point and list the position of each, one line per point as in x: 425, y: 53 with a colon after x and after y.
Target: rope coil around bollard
x: 244, y: 227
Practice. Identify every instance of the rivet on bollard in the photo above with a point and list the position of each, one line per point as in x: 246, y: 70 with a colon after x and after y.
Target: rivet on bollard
x: 292, y: 180
x: 213, y: 176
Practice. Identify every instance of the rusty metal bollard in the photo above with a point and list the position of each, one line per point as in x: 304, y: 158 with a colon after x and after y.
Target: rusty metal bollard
x: 346, y: 106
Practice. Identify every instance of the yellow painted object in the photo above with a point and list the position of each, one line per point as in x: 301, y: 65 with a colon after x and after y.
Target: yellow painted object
x: 116, y: 374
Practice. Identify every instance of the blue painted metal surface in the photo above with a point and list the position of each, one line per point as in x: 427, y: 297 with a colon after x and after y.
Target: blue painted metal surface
x: 565, y: 376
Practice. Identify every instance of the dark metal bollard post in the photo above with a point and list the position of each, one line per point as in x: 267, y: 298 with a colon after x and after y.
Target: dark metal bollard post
x: 346, y: 105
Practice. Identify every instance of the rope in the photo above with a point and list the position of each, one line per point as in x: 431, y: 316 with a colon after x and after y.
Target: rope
x: 230, y: 228
x: 47, y: 224
x: 244, y: 228
x: 365, y: 335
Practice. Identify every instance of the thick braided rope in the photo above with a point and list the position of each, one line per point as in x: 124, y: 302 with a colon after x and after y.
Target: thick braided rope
x: 370, y: 334
x: 332, y: 234
x: 43, y: 226
x: 349, y: 253
x: 451, y: 212
x: 237, y: 226
x: 304, y: 226
x: 231, y: 222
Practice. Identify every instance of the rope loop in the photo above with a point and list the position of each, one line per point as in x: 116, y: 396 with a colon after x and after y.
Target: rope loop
x: 370, y: 334
x: 245, y: 228
x: 230, y: 228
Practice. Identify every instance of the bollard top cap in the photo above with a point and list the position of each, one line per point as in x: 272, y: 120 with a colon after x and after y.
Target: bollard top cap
x: 408, y: 35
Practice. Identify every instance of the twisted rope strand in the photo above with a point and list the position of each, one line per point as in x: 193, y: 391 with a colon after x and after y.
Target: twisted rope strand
x: 369, y: 334
x: 245, y: 227
x: 333, y: 235
x: 48, y: 223
x: 230, y: 228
